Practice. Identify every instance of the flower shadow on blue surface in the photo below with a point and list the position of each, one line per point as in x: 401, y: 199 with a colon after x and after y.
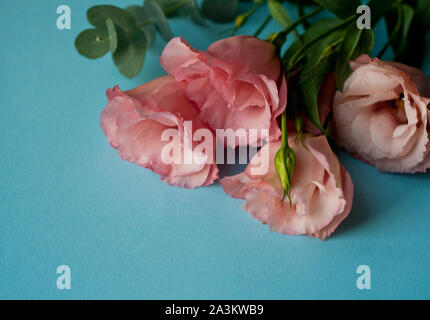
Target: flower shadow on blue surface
x: 379, y: 197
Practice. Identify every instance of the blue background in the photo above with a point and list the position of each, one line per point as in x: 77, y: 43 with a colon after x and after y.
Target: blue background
x: 67, y: 198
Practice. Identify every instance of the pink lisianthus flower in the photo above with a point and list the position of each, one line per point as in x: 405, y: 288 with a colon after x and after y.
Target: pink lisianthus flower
x: 382, y: 115
x: 321, y: 190
x: 236, y: 84
x: 136, y: 121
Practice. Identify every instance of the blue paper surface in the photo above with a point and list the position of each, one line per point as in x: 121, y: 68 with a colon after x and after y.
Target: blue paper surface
x: 66, y: 198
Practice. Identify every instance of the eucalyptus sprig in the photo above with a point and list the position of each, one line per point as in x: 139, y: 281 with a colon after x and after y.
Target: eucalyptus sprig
x: 128, y: 33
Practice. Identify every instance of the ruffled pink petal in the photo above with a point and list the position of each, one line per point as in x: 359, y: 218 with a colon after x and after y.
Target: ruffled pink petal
x: 321, y: 191
x: 367, y: 125
x: 217, y: 114
x: 178, y: 53
x: 249, y: 55
x: 416, y: 78
x: 109, y: 116
x: 348, y: 192
x: 134, y: 122
x: 229, y: 88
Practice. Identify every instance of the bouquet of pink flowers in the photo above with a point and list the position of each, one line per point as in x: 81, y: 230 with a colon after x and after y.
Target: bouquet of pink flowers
x: 277, y: 105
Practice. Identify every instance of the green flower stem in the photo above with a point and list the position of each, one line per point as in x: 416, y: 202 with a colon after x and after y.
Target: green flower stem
x: 283, y: 34
x: 257, y: 4
x: 284, y: 138
x: 301, y: 20
x: 301, y: 12
x: 246, y: 15
x: 263, y: 25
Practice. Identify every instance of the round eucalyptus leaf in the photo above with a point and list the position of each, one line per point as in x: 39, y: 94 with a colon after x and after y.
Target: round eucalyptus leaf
x: 153, y: 10
x: 130, y: 55
x: 144, y: 22
x: 98, y: 15
x: 92, y: 43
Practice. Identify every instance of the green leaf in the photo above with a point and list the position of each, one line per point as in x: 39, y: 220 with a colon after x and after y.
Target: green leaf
x: 92, y: 43
x: 144, y: 23
x: 356, y: 42
x: 220, y: 10
x: 130, y: 55
x: 320, y: 27
x: 409, y: 44
x: 415, y: 50
x: 292, y: 49
x: 407, y: 17
x: 98, y: 15
x: 400, y: 41
x: 113, y: 40
x: 156, y: 13
x: 319, y: 63
x: 320, y: 60
x: 379, y: 8
x: 316, y: 30
x: 280, y: 14
x: 318, y: 55
x: 309, y: 91
x: 423, y: 13
x: 341, y: 8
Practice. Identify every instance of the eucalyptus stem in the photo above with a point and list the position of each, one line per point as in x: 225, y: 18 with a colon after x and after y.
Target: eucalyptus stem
x: 263, y: 25
x: 145, y: 23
